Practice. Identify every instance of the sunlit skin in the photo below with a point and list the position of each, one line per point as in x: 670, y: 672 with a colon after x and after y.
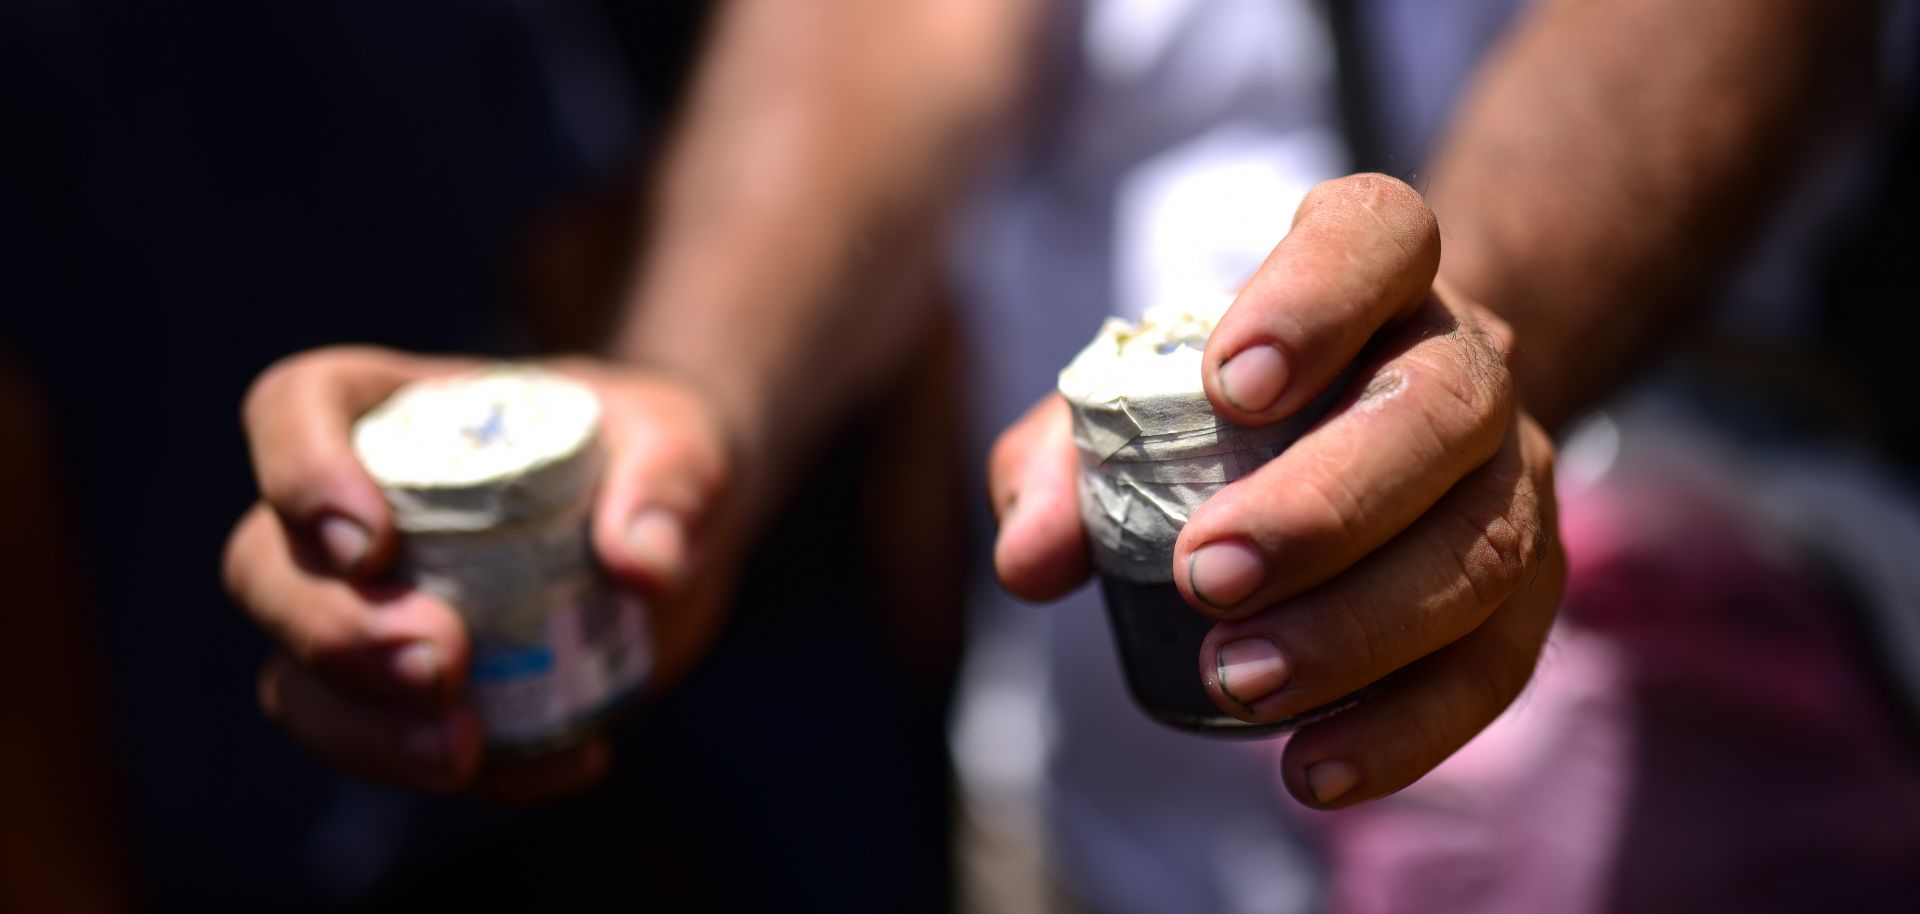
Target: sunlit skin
x: 1409, y: 532
x: 1607, y: 160
x: 1607, y: 154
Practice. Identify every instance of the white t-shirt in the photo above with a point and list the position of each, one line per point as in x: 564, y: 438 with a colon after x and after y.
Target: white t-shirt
x: 1182, y: 140
x: 1182, y: 144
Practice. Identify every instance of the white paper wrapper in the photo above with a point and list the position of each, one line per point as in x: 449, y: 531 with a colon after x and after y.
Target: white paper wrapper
x: 1151, y: 446
x: 491, y: 479
x: 483, y: 451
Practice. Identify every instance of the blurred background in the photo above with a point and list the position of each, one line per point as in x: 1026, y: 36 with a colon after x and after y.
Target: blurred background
x: 195, y: 190
x: 192, y: 190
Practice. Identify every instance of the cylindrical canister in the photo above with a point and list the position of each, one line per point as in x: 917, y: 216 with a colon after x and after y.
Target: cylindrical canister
x: 1151, y: 450
x: 491, y: 477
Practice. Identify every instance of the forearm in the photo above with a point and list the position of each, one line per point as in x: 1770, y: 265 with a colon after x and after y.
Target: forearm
x: 1613, y: 154
x: 804, y: 184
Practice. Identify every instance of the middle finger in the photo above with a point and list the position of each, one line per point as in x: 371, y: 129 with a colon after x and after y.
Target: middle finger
x: 1427, y: 588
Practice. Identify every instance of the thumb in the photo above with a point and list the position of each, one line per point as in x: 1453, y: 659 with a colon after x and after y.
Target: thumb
x: 1041, y: 551
x: 666, y: 465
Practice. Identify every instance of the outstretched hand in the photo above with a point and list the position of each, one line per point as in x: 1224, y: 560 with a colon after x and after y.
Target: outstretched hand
x: 369, y: 674
x: 1410, y: 533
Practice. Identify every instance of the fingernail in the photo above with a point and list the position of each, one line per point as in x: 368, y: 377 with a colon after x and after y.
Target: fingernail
x: 1250, y: 669
x: 426, y: 751
x: 659, y: 541
x: 417, y: 665
x: 1252, y: 380
x: 344, y: 541
x: 1224, y: 573
x: 1330, y: 780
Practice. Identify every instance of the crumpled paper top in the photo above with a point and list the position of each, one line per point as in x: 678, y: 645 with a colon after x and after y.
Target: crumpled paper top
x: 1142, y: 379
x: 497, y: 447
x: 1151, y: 447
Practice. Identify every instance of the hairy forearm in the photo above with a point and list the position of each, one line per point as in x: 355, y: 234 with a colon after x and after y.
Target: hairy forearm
x: 803, y: 186
x: 1613, y: 154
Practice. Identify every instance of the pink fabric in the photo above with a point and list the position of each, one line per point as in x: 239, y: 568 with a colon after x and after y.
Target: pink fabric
x: 1703, y: 735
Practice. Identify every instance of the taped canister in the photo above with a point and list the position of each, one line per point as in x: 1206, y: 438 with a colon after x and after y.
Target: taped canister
x: 491, y: 478
x: 1151, y: 450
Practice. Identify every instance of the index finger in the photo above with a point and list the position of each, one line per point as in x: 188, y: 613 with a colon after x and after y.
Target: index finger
x: 1363, y: 251
x: 1434, y: 404
x: 298, y: 417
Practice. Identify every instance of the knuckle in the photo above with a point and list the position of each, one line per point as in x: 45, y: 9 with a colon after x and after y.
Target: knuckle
x: 1487, y: 366
x: 1349, y: 190
x: 1396, y: 204
x: 1456, y: 408
x: 1459, y: 418
x: 1319, y: 193
x: 268, y: 388
x: 289, y: 476
x: 295, y: 372
x: 1494, y: 565
x: 1368, y: 189
x: 1499, y: 544
x: 1497, y: 333
x: 1478, y: 379
x: 1374, y: 187
x: 1534, y: 534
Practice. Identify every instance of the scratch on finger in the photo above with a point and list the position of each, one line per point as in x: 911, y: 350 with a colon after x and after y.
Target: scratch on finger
x: 1383, y: 387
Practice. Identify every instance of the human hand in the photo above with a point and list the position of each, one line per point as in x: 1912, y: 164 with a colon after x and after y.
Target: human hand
x: 370, y: 674
x: 1411, y: 532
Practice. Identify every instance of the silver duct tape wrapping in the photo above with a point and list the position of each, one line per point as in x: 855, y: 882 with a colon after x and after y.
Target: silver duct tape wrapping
x: 1133, y: 512
x: 1151, y: 451
x: 1151, y: 447
x: 491, y: 478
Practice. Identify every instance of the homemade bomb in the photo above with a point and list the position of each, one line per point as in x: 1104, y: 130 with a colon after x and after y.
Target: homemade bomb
x: 491, y: 478
x: 1151, y: 450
